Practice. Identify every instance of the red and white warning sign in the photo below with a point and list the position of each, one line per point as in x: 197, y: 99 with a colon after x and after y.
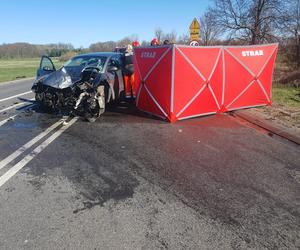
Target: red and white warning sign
x: 194, y: 43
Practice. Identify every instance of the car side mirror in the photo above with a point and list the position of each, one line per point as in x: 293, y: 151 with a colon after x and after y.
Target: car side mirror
x: 47, y: 68
x: 112, y: 69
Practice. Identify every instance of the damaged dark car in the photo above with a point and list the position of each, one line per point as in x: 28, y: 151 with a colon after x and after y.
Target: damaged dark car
x: 82, y: 86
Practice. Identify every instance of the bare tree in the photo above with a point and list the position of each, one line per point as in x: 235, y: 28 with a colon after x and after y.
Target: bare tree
x: 183, y: 39
x: 172, y: 36
x: 127, y: 40
x: 159, y: 34
x: 209, y: 30
x: 250, y: 20
x: 145, y: 43
x: 124, y: 42
x: 290, y: 28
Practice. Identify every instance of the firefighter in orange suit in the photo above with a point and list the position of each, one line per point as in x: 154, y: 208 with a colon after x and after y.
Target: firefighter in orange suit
x: 129, y: 71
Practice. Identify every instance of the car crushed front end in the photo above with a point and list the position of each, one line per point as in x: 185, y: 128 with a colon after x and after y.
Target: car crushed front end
x: 81, y: 87
x: 56, y: 92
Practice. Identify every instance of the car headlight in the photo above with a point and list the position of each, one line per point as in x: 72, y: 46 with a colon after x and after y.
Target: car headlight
x: 66, y: 82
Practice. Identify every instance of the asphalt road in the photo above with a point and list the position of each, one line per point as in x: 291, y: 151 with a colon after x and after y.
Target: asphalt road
x: 129, y: 181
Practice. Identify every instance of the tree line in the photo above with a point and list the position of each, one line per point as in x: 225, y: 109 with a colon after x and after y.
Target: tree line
x: 26, y: 50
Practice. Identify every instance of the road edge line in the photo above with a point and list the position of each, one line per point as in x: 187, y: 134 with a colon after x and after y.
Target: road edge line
x: 7, y: 119
x: 15, y: 105
x: 14, y: 96
x: 28, y: 145
x: 17, y: 167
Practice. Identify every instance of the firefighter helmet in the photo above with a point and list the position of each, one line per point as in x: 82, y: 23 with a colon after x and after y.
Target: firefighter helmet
x: 135, y: 44
x: 154, y: 42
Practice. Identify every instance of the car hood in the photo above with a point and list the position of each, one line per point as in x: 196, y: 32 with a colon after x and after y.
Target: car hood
x: 59, y: 79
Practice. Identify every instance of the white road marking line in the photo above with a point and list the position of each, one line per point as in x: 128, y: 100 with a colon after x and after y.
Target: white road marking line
x: 29, y: 144
x: 14, y: 106
x: 16, y: 168
x: 13, y: 117
x: 6, y: 120
x: 14, y: 96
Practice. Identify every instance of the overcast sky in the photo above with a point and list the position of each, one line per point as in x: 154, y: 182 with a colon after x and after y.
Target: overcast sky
x: 82, y: 22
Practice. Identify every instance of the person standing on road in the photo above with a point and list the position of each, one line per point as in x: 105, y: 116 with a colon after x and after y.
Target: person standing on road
x: 129, y: 70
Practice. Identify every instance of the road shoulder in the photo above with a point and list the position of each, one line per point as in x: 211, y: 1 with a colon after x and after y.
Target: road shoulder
x: 17, y: 81
x: 263, y: 118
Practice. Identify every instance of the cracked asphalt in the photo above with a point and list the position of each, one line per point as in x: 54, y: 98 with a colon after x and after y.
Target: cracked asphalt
x: 129, y: 181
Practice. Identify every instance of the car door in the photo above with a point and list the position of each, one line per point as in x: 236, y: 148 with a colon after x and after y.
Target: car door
x: 119, y: 83
x: 46, y: 67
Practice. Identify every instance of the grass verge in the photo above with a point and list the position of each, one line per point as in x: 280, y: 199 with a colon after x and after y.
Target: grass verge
x: 286, y: 96
x: 12, y: 69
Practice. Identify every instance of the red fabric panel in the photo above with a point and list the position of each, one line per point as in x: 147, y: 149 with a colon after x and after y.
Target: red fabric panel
x: 147, y: 104
x: 186, y: 82
x: 147, y: 57
x: 216, y: 81
x: 254, y: 57
x: 237, y: 78
x: 205, y: 62
x: 204, y: 103
x: 266, y: 75
x: 159, y: 82
x: 137, y: 79
x: 252, y: 97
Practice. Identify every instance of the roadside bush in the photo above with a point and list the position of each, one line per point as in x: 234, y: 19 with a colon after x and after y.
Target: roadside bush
x: 65, y: 57
x: 292, y: 78
x: 290, y: 55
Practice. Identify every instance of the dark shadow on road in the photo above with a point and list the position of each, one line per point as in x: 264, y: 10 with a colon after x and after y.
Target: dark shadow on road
x: 129, y: 108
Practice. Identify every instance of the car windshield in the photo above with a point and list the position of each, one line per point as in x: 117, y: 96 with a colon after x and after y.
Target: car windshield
x: 86, y: 61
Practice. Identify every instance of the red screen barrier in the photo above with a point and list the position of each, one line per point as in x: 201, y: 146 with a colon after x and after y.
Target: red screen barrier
x: 179, y: 82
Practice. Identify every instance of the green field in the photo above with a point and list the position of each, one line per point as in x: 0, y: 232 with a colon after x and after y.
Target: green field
x: 12, y: 69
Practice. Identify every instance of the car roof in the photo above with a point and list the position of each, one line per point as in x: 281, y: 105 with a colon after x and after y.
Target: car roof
x: 107, y: 54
